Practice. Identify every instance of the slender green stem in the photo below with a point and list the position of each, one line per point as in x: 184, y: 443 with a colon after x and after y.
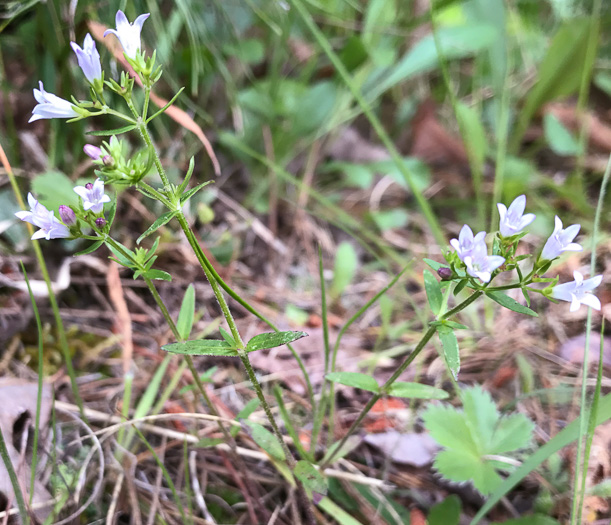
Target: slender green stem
x: 384, y: 388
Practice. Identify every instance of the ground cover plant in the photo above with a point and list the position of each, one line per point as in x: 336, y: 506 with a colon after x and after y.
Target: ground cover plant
x: 310, y: 263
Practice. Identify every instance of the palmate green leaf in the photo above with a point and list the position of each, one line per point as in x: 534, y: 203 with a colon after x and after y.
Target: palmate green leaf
x: 449, y: 428
x: 511, y: 304
x: 310, y: 477
x: 272, y: 340
x: 457, y: 466
x: 513, y: 432
x: 481, y: 415
x: 265, y: 439
x: 416, y: 391
x: 354, y: 379
x: 450, y: 349
x: 202, y: 347
x: 162, y: 220
x: 433, y: 291
x: 184, y: 324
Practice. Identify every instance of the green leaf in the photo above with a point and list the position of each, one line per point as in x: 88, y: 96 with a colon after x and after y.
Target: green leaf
x: 272, y: 340
x: 109, y: 132
x: 351, y: 443
x: 310, y: 477
x: 185, y: 197
x: 184, y: 324
x: 513, y: 432
x: 172, y: 100
x: 433, y: 291
x: 449, y: 428
x: 354, y: 379
x: 535, y: 519
x: 445, y: 513
x: 92, y: 248
x: 457, y: 466
x: 159, y: 275
x: 202, y: 347
x: 161, y: 221
x: 559, y: 74
x: 434, y: 264
x: 265, y: 439
x: 54, y: 188
x: 560, y: 139
x: 228, y: 337
x: 511, y: 304
x: 245, y: 413
x: 416, y: 391
x: 472, y: 128
x: 210, y: 442
x: 183, y: 184
x: 450, y: 349
x: 346, y: 263
x: 481, y: 415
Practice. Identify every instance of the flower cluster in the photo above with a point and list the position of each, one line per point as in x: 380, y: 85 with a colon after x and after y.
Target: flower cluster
x: 92, y: 199
x: 471, y: 257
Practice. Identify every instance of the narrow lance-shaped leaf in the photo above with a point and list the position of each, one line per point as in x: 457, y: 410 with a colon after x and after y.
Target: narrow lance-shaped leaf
x: 90, y: 249
x: 433, y: 291
x: 272, y: 340
x: 161, y: 221
x: 265, y: 439
x: 416, y: 391
x: 184, y: 324
x: 184, y: 198
x: 354, y: 379
x: 110, y: 132
x: 202, y: 347
x: 511, y: 304
x: 310, y: 477
x: 450, y: 349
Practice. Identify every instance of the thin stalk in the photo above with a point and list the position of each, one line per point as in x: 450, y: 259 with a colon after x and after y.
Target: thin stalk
x: 432, y: 221
x: 8, y: 464
x: 61, y: 333
x: 578, y: 497
x: 128, y: 381
x: 384, y: 388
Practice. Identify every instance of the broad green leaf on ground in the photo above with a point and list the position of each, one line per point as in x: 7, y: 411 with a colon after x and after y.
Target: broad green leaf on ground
x: 450, y: 349
x: 54, y: 188
x: 272, y: 340
x: 433, y: 291
x: 310, y: 477
x: 354, y: 379
x: 475, y: 134
x: 445, y: 513
x: 202, y: 347
x: 265, y: 439
x: 416, y: 391
x: 473, y: 435
x: 511, y: 304
x: 184, y: 324
x: 560, y: 139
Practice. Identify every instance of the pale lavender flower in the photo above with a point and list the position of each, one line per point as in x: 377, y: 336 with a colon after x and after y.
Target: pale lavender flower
x: 578, y: 292
x: 88, y: 59
x: 39, y: 216
x: 466, y: 242
x: 67, y: 215
x: 513, y: 220
x: 128, y: 34
x: 561, y: 240
x: 93, y: 196
x: 51, y: 106
x: 93, y: 151
x: 481, y: 265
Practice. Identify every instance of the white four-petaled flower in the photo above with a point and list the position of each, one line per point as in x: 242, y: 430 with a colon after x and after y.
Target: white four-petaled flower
x: 467, y: 242
x: 128, y: 34
x: 513, y: 220
x: 50, y: 227
x: 51, y: 106
x: 578, y: 292
x: 88, y: 59
x: 480, y: 264
x: 561, y: 240
x: 93, y: 196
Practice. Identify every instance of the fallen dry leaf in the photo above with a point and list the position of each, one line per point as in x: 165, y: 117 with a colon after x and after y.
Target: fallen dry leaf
x: 407, y: 449
x: 572, y: 349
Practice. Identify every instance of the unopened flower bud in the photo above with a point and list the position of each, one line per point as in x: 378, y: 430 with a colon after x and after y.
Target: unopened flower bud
x: 445, y: 273
x: 100, y: 222
x: 89, y: 186
x: 67, y: 215
x: 108, y: 161
x: 93, y: 151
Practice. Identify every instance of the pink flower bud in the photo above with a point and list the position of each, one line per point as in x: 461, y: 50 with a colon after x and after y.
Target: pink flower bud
x: 100, y: 222
x: 93, y: 151
x: 67, y: 215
